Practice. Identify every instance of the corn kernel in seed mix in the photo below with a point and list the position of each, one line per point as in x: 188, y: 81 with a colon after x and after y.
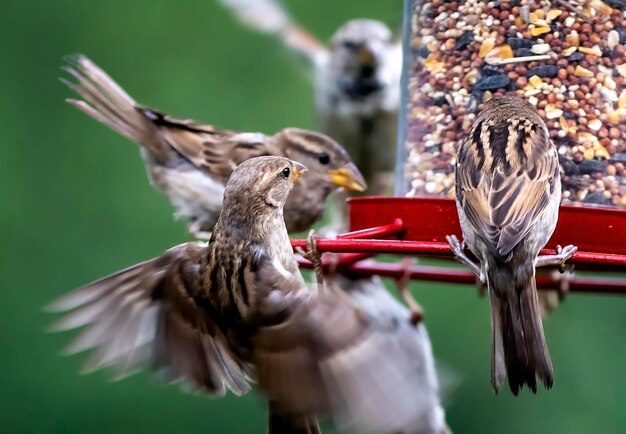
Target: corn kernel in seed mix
x: 567, y: 58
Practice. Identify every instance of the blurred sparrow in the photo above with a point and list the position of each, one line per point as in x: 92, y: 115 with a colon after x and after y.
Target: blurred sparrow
x: 190, y: 162
x: 356, y: 83
x: 371, y: 296
x: 216, y: 315
x: 508, y: 190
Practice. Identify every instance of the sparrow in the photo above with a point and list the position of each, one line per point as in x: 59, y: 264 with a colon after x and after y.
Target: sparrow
x: 508, y: 191
x: 217, y: 316
x: 370, y: 294
x: 356, y: 81
x: 190, y: 162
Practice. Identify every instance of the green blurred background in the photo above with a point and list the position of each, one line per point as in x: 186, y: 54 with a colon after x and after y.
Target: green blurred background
x: 77, y: 206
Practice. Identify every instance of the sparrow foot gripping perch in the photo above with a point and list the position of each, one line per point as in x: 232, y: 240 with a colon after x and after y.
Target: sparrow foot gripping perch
x: 562, y: 255
x: 457, y: 248
x: 388, y: 225
x: 314, y: 255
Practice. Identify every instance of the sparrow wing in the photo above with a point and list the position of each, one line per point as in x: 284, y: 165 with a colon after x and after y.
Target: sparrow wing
x: 316, y: 355
x: 151, y: 315
x: 218, y: 151
x: 269, y: 16
x: 505, y: 178
x: 106, y: 101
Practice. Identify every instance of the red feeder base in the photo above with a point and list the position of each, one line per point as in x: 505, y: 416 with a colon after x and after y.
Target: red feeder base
x: 419, y: 226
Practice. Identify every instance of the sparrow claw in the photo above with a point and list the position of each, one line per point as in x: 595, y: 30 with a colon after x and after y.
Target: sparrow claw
x: 457, y: 248
x: 562, y: 255
x: 566, y: 252
x: 417, y: 312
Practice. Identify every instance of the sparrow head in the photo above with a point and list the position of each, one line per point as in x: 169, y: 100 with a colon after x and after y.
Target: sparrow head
x: 329, y: 164
x: 504, y: 106
x: 508, y: 122
x: 508, y: 135
x: 261, y: 184
x: 358, y: 48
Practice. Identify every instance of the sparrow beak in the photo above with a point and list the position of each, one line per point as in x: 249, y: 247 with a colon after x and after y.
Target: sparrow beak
x: 298, y: 170
x: 348, y: 177
x: 366, y: 55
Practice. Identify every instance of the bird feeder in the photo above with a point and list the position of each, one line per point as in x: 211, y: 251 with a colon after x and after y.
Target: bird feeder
x: 570, y: 63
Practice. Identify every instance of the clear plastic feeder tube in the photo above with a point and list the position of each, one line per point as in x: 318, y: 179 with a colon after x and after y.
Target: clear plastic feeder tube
x: 567, y: 58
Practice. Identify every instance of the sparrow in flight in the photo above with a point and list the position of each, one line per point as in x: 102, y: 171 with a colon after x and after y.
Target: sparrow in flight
x: 190, y: 162
x: 356, y: 83
x: 219, y: 315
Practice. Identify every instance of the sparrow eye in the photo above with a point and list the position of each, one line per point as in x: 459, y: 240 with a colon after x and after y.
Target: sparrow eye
x: 323, y: 158
x: 286, y: 172
x: 349, y: 45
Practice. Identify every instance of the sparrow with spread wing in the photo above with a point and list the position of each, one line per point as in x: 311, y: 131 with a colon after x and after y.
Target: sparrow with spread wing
x: 370, y: 294
x: 190, y: 162
x: 216, y: 315
x: 508, y: 190
x: 356, y: 83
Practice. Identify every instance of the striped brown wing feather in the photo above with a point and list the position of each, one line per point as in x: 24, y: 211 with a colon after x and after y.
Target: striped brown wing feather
x: 519, y: 201
x: 105, y: 101
x: 215, y: 150
x: 503, y: 188
x: 151, y: 315
x: 316, y: 355
x: 288, y: 354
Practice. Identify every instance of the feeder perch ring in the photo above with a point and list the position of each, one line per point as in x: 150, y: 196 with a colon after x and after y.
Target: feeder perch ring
x: 418, y: 226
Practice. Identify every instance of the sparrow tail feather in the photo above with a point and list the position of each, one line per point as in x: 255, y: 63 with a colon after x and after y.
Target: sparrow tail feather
x: 518, y: 346
x: 105, y: 101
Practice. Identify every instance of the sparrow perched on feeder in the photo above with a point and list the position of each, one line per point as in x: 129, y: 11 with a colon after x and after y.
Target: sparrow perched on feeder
x: 356, y: 83
x: 216, y: 315
x: 190, y: 162
x: 508, y: 190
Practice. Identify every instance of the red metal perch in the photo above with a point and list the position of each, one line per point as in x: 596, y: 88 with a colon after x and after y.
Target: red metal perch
x: 406, y: 226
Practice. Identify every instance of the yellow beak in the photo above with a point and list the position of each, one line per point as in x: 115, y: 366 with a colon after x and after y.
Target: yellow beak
x: 366, y: 56
x: 298, y: 170
x: 348, y: 177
